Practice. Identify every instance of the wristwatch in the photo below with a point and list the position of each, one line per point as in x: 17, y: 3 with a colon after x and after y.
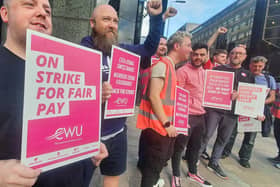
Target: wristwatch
x: 166, y: 124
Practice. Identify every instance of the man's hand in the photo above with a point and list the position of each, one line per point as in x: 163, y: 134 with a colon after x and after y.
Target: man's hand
x: 102, y: 154
x: 234, y: 95
x: 106, y: 91
x: 14, y: 174
x: 170, y: 12
x: 222, y: 30
x: 171, y: 131
x: 261, y: 118
x: 154, y: 7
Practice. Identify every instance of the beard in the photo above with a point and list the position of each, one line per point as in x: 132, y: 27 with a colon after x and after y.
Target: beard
x: 104, y: 43
x: 235, y: 62
x: 198, y: 65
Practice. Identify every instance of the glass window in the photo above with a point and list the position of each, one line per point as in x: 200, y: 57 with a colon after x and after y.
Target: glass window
x: 237, y: 17
x: 241, y: 35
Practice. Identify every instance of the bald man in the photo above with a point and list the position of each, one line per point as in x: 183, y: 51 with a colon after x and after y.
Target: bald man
x: 20, y: 15
x: 223, y: 120
x: 104, y: 23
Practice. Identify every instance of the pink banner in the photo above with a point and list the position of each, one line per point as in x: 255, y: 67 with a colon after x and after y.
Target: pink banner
x: 123, y: 78
x: 218, y: 87
x: 61, y: 117
x: 181, y: 111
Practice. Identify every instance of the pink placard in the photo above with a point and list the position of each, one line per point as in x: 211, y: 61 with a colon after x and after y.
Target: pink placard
x: 217, y: 91
x: 123, y: 78
x: 251, y: 99
x: 247, y: 124
x: 61, y: 115
x: 181, y: 111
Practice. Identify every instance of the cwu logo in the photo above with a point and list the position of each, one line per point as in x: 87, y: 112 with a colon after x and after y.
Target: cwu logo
x: 66, y: 133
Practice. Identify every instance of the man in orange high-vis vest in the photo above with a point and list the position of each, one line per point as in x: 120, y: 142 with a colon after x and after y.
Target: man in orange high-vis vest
x: 155, y: 116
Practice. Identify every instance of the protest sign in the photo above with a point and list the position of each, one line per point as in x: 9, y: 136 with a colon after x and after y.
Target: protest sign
x: 250, y: 101
x: 61, y: 115
x: 181, y: 111
x: 217, y: 91
x: 247, y: 124
x: 123, y: 78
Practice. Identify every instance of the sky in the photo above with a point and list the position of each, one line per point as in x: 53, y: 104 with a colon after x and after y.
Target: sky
x: 193, y: 11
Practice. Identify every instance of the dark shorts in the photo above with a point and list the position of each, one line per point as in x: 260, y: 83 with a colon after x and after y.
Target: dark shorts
x: 115, y: 163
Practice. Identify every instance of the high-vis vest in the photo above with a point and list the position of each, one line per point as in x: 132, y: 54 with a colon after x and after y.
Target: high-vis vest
x: 275, y: 109
x: 146, y: 117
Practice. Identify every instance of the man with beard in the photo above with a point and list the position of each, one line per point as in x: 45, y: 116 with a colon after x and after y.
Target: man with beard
x: 191, y: 77
x: 223, y: 120
x: 104, y: 24
x: 19, y: 16
x: 257, y: 64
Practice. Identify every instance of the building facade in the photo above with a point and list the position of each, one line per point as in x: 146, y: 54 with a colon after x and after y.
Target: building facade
x: 255, y: 23
x: 71, y: 18
x: 188, y: 27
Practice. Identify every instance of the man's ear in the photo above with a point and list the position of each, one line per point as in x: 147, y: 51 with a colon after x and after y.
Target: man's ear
x: 92, y: 22
x: 176, y: 46
x: 4, y: 14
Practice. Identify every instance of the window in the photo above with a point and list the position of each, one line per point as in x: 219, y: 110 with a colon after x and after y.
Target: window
x: 237, y: 17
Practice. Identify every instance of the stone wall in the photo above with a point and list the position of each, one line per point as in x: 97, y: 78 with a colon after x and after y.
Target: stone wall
x: 71, y: 18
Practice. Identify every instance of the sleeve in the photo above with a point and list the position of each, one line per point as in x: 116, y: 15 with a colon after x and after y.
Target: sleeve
x: 158, y: 71
x: 181, y: 77
x: 251, y: 78
x: 150, y: 45
x: 272, y: 83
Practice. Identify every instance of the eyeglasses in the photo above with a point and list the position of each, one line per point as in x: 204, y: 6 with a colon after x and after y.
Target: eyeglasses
x: 238, y: 53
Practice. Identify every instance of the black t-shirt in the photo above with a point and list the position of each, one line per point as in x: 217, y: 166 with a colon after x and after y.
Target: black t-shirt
x: 12, y: 70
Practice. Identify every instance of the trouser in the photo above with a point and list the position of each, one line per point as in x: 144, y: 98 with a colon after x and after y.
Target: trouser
x: 277, y: 133
x: 193, y: 142
x: 155, y: 151
x: 247, y: 146
x: 224, y: 123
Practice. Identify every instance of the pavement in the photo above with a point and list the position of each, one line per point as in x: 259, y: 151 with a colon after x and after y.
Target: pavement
x: 261, y: 174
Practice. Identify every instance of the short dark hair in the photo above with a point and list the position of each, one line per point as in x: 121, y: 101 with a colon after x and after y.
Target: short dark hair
x: 199, y: 46
x: 220, y: 51
x: 163, y: 37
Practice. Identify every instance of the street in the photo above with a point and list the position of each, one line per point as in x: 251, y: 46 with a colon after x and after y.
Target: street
x: 261, y: 174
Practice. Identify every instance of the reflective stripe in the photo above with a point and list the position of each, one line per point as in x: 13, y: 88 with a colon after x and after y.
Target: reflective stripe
x: 152, y: 116
x: 163, y: 101
x: 169, y: 86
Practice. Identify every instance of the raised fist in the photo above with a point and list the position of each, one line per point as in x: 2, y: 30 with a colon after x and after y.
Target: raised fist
x: 154, y: 7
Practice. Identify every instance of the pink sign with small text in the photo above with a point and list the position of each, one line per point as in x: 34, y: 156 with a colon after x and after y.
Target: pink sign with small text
x: 123, y: 78
x: 251, y: 99
x: 181, y: 111
x: 217, y: 91
x: 62, y: 103
x: 247, y: 124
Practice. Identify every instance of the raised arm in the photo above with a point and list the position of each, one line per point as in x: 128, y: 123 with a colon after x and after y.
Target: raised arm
x: 213, y: 38
x: 150, y: 45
